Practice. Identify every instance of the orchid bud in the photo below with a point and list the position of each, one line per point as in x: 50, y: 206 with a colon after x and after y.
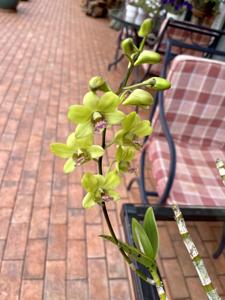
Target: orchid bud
x: 139, y: 97
x: 148, y: 57
x: 128, y: 47
x: 157, y: 83
x: 98, y: 83
x: 146, y: 28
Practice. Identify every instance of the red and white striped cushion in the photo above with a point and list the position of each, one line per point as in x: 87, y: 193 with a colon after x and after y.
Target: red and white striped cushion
x: 195, y: 105
x: 197, y: 181
x: 195, y: 112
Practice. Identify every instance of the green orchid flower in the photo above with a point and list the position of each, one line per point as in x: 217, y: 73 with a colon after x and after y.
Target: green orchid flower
x: 77, y: 151
x: 96, y: 113
x: 100, y: 188
x: 133, y: 128
x: 124, y: 156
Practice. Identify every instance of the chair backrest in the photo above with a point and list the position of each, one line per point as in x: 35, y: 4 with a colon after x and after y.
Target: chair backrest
x: 186, y: 32
x: 195, y: 105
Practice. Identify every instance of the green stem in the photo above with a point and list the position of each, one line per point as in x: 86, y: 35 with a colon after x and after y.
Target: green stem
x: 131, y: 67
x: 159, y: 284
x: 108, y: 222
x: 103, y: 205
x: 194, y: 255
x: 100, y: 170
x: 124, y: 82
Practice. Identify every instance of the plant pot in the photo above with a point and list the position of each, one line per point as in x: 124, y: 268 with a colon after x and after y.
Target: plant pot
x: 9, y: 4
x: 178, y: 17
x: 201, y: 17
x: 130, y: 13
x: 141, y: 15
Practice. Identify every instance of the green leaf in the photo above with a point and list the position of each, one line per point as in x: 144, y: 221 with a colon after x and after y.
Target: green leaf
x: 90, y: 100
x: 114, y: 117
x: 143, y: 129
x: 62, y: 150
x: 88, y: 201
x: 69, y: 166
x: 83, y: 130
x: 79, y: 114
x: 112, y: 180
x: 150, y: 227
x: 148, y: 57
x: 108, y: 102
x: 139, y: 97
x: 89, y: 182
x: 141, y: 239
x: 131, y: 251
x: 96, y: 151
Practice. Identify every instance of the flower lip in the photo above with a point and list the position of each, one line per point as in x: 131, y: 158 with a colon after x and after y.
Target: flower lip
x: 79, y: 159
x: 105, y: 197
x: 99, y: 125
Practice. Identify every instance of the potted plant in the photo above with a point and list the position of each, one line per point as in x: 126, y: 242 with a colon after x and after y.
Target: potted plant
x: 204, y: 11
x: 9, y: 4
x: 100, y: 110
x: 176, y: 9
x: 146, y: 8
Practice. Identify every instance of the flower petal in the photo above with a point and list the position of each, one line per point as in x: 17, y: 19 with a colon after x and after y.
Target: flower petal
x: 112, y: 180
x: 79, y: 114
x: 88, y: 201
x: 69, y: 166
x: 114, y: 117
x: 89, y: 182
x: 71, y: 140
x: 108, y: 102
x: 62, y: 150
x: 129, y: 121
x: 115, y: 195
x: 84, y: 130
x: 90, y: 100
x: 95, y: 151
x: 142, y: 129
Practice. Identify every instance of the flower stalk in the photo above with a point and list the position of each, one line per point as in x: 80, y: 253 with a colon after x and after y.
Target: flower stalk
x: 99, y: 111
x: 194, y: 255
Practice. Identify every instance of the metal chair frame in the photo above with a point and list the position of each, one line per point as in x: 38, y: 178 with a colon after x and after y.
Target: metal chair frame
x: 190, y: 28
x: 172, y: 151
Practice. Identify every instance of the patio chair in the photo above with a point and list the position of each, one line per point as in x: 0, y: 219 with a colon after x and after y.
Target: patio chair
x: 189, y: 133
x: 186, y: 32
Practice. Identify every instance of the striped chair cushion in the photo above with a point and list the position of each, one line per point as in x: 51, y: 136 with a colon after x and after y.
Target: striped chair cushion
x: 195, y: 105
x: 197, y: 181
x: 195, y: 112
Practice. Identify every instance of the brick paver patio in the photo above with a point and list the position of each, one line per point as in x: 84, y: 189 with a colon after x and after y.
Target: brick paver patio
x: 49, y: 247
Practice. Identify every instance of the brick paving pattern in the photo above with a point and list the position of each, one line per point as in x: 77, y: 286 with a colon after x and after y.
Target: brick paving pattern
x: 49, y: 247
